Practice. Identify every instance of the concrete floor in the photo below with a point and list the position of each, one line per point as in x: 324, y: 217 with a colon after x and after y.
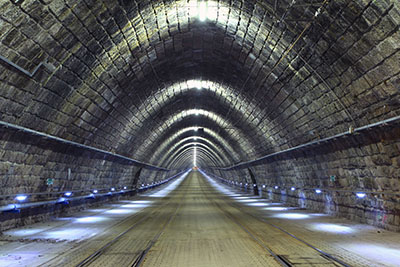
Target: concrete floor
x: 200, y: 223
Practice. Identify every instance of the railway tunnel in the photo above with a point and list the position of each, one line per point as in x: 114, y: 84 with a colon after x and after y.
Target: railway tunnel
x: 199, y: 133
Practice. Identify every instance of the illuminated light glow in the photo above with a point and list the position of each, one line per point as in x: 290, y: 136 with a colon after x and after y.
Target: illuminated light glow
x: 263, y: 186
x: 194, y: 84
x: 113, y: 189
x: 91, y: 219
x: 276, y: 187
x: 95, y: 191
x: 24, y: 232
x: 241, y: 197
x: 97, y: 210
x: 292, y: 216
x: 68, y: 194
x: 202, y: 11
x: 62, y: 200
x: 21, y: 197
x: 165, y: 191
x: 318, y: 191
x: 91, y: 195
x: 258, y: 204
x: 195, y: 157
x: 68, y: 234
x: 385, y: 255
x: 293, y: 188
x: 254, y: 185
x: 276, y: 208
x: 360, y: 194
x: 119, y: 211
x: 247, y: 200
x: 332, y: 228
x: 134, y: 206
x: 125, y: 187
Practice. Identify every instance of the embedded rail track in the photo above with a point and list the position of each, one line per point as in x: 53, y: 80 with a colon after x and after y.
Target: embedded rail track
x: 281, y: 259
x: 96, y: 256
x: 144, y: 235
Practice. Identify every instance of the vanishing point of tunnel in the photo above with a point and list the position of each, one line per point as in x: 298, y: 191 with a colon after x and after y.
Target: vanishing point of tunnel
x: 199, y: 133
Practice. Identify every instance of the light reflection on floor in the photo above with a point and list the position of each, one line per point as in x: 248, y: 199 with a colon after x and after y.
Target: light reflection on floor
x: 292, y: 216
x: 170, y: 187
x: 379, y: 253
x: 276, y: 208
x: 98, y: 218
x: 91, y: 219
x: 258, y: 204
x: 24, y: 232
x: 331, y: 228
x: 69, y: 234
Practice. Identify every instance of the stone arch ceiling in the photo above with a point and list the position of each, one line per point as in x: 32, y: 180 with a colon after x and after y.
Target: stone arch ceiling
x: 273, y: 74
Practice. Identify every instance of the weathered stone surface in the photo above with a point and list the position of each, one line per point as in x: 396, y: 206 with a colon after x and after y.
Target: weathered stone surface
x: 121, y: 66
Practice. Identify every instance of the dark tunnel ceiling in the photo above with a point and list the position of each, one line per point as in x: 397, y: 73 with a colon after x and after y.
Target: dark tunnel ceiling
x: 138, y: 77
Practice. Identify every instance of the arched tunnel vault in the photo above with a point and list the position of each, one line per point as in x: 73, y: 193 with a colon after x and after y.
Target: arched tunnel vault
x: 204, y: 156
x: 213, y: 154
x: 193, y: 132
x: 136, y: 77
x: 222, y: 152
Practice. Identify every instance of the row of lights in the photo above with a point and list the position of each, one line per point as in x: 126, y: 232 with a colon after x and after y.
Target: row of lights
x: 22, y: 198
x: 317, y: 190
x: 66, y: 195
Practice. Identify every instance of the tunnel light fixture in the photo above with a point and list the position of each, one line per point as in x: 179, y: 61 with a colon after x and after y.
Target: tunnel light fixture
x: 194, y: 84
x: 125, y: 187
x: 195, y: 157
x: 62, y: 200
x: 68, y: 194
x: 263, y: 186
x: 95, y: 191
x: 360, y: 194
x: 293, y: 188
x: 21, y: 198
x: 202, y: 11
x: 276, y: 187
x: 318, y: 191
x: 254, y: 185
x: 112, y: 189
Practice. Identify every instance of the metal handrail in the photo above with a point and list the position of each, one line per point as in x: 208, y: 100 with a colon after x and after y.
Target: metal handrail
x: 72, y: 143
x: 258, y: 161
x: 18, y: 206
x: 30, y: 74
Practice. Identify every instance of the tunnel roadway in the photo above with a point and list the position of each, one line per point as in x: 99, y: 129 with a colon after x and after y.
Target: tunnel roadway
x: 195, y: 225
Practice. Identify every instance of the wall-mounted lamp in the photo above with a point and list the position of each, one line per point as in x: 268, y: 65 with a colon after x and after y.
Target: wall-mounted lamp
x: 21, y: 198
x: 360, y: 194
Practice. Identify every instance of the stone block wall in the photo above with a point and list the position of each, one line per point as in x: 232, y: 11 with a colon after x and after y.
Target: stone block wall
x: 366, y: 162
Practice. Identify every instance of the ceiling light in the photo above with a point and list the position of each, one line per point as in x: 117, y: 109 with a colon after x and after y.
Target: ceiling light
x: 202, y: 11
